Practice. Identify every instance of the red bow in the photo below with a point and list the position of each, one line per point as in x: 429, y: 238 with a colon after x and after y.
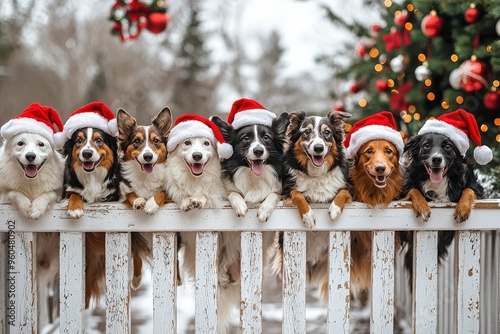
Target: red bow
x: 395, y: 39
x: 397, y: 99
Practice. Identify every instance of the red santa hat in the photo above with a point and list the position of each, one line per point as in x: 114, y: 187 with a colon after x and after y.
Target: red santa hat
x: 190, y: 125
x: 377, y: 126
x: 38, y: 119
x: 460, y: 126
x: 95, y: 114
x: 249, y: 112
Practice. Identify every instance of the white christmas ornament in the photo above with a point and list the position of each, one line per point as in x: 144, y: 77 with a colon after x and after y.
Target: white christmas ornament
x: 422, y: 72
x: 455, y: 78
x: 397, y: 64
x: 497, y: 27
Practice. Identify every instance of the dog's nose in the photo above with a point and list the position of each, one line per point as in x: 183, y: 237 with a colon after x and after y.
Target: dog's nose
x: 437, y: 160
x: 380, y: 169
x: 318, y: 148
x: 87, y: 154
x: 258, y: 151
x: 148, y: 156
x: 197, y: 156
x: 30, y: 156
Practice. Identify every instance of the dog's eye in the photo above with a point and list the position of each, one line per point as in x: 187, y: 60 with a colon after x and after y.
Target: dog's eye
x: 20, y: 143
x: 369, y: 151
x: 427, y: 146
x: 327, y: 133
x: 41, y: 144
x: 388, y: 151
x: 266, y: 138
x: 447, y: 147
x: 306, y: 134
x: 136, y: 141
x: 187, y: 142
x: 206, y: 143
x: 98, y: 141
x: 79, y: 141
x: 156, y: 141
x: 245, y: 139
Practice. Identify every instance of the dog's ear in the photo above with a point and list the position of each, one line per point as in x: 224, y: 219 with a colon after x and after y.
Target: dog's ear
x: 280, y: 124
x: 225, y: 128
x: 338, y: 117
x: 163, y: 121
x: 126, y: 124
x: 411, y: 149
x: 295, y: 119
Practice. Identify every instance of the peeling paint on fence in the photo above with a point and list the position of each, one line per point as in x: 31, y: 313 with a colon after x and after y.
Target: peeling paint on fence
x: 339, y: 282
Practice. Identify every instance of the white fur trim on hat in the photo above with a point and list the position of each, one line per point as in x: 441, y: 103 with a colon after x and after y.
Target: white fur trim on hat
x: 189, y: 129
x: 16, y: 126
x: 252, y: 117
x: 483, y: 154
x: 225, y: 150
x: 373, y: 132
x: 457, y: 136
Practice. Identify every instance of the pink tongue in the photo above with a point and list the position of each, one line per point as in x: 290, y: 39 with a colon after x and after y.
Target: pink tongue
x: 147, y: 168
x: 436, y: 175
x: 88, y: 165
x: 318, y: 160
x: 197, y: 169
x: 30, y: 170
x: 257, y: 167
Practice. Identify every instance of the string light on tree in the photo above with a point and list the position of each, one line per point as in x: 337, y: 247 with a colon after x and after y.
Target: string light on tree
x: 400, y: 18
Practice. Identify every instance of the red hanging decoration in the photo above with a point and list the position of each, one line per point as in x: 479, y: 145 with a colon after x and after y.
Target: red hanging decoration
x: 473, y: 75
x: 131, y: 16
x: 395, y: 39
x: 381, y: 85
x: 472, y: 14
x: 432, y: 25
x: 492, y: 100
x: 397, y: 101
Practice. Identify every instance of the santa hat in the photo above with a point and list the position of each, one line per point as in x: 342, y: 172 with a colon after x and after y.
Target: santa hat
x: 36, y: 119
x: 377, y: 126
x: 190, y: 125
x: 460, y: 126
x: 95, y: 114
x: 249, y: 112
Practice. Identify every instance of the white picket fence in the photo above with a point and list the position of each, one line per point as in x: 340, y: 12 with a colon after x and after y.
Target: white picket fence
x: 117, y: 222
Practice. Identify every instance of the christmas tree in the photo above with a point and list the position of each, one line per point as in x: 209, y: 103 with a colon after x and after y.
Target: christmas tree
x: 426, y: 58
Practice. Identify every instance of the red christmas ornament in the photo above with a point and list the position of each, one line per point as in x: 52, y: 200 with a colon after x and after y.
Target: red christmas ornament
x: 473, y: 75
x: 355, y: 88
x: 432, y: 25
x: 361, y: 49
x: 492, y: 100
x: 381, y: 85
x: 472, y: 14
x: 401, y: 18
x: 157, y: 22
x: 376, y: 28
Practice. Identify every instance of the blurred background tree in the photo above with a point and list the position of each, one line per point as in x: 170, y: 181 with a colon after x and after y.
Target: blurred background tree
x: 424, y: 58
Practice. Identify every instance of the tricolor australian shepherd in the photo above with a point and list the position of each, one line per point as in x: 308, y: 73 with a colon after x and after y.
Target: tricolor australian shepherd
x: 436, y: 171
x: 317, y: 171
x: 91, y: 174
x: 142, y: 154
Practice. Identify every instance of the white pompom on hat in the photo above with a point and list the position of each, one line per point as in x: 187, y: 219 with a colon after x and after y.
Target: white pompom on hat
x: 190, y: 126
x: 460, y: 126
x: 249, y: 112
x: 38, y: 119
x: 377, y: 126
x: 95, y: 114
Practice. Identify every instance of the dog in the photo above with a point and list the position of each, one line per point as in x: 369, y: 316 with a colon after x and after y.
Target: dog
x: 316, y: 171
x: 194, y: 181
x: 435, y: 170
x: 142, y: 152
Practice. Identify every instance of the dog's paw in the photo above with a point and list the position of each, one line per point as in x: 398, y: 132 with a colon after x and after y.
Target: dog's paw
x: 151, y: 207
x: 136, y: 282
x: 139, y: 203
x: 75, y: 214
x: 422, y: 211
x: 334, y: 211
x: 309, y: 219
x: 36, y: 211
x: 462, y: 213
x: 240, y: 207
x: 192, y: 203
x: 264, y: 212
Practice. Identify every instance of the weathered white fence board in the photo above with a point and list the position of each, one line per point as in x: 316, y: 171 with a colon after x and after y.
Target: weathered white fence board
x: 294, y: 282
x: 26, y: 287
x: 468, y: 245
x: 425, y: 294
x: 72, y: 280
x: 3, y: 282
x: 339, y: 282
x: 497, y: 253
x: 118, y: 275
x: 164, y: 282
x: 382, y: 301
x: 206, y: 295
x: 251, y: 283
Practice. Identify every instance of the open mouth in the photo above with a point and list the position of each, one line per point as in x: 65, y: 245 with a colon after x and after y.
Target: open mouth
x: 196, y: 168
x: 31, y: 170
x: 435, y: 174
x: 257, y: 166
x: 147, y: 168
x: 379, y: 180
x: 317, y: 160
x: 89, y: 166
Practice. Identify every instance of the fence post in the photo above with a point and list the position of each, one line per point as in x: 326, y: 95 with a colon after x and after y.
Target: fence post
x: 118, y: 274
x: 72, y: 281
x: 164, y: 282
x: 382, y: 301
x: 339, y: 294
x: 251, y: 282
x: 468, y: 253
x: 294, y: 282
x: 206, y: 296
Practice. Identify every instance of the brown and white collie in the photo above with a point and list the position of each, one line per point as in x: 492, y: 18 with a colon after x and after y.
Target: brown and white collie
x: 316, y: 171
x: 142, y: 152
